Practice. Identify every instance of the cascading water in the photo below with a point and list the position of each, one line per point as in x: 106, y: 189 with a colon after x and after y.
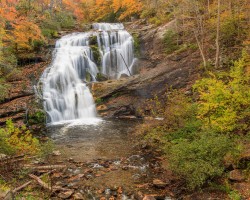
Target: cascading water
x: 116, y: 48
x: 64, y: 90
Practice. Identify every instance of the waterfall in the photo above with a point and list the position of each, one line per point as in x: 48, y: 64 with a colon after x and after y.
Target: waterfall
x: 64, y: 91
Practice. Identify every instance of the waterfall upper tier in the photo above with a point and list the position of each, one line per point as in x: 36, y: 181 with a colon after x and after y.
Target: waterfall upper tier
x: 79, y: 58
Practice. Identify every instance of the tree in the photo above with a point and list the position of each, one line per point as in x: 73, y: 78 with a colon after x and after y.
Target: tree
x: 218, y: 35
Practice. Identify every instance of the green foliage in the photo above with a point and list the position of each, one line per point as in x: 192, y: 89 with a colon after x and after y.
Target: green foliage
x: 49, y: 33
x: 4, y: 89
x: 65, y: 19
x: 196, y: 152
x: 148, y: 13
x: 155, y: 20
x: 37, y: 118
x: 234, y: 195
x: 136, y: 44
x: 199, y: 159
x: 38, y: 44
x: 99, y: 100
x: 231, y: 33
x: 224, y: 103
x: 96, y: 54
x: 3, y: 185
x: 46, y: 149
x: 15, y: 140
x: 170, y: 41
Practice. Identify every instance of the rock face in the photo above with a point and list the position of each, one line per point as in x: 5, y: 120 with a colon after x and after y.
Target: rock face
x: 158, y: 71
x: 125, y: 97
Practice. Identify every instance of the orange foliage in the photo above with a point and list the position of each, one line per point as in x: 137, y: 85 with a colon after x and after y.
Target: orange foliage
x: 25, y: 33
x: 131, y: 7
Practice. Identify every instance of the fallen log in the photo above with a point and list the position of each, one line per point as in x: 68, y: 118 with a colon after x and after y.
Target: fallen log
x: 46, y: 167
x: 21, y: 187
x: 40, y: 182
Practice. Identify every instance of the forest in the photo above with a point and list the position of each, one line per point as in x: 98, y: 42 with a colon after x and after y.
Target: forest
x: 195, y: 122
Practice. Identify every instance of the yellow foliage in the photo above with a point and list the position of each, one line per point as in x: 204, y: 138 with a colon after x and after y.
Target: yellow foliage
x: 17, y: 140
x: 224, y: 103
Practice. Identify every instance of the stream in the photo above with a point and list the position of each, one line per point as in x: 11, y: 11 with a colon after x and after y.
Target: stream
x: 101, y: 156
x: 103, y: 159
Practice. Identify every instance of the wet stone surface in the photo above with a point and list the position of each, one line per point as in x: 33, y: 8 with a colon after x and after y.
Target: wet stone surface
x: 102, y: 162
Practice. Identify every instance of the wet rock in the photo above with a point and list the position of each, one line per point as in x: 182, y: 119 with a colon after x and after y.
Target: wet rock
x: 78, y: 196
x: 124, y: 76
x: 66, y: 195
x: 147, y: 197
x: 159, y: 183
x: 236, y: 175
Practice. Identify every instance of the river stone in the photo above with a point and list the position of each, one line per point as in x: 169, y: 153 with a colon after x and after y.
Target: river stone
x: 147, y: 197
x: 66, y: 195
x: 78, y: 196
x: 236, y: 175
x: 159, y: 183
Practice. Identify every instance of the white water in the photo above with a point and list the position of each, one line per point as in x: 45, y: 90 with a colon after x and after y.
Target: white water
x: 117, y: 49
x: 65, y: 93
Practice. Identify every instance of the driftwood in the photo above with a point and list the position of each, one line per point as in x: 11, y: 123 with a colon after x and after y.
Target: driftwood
x: 28, y: 183
x: 14, y: 159
x: 21, y: 187
x: 46, y: 167
x: 40, y: 182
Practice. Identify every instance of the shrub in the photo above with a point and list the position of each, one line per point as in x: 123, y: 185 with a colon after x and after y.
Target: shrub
x: 231, y: 33
x: 170, y: 41
x: 65, y: 19
x: 15, y: 140
x: 37, y: 118
x: 136, y: 44
x: 148, y: 13
x: 4, y: 89
x: 155, y: 20
x: 199, y: 159
x: 224, y: 101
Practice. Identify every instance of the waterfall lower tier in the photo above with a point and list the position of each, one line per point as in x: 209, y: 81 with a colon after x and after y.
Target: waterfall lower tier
x: 79, y: 58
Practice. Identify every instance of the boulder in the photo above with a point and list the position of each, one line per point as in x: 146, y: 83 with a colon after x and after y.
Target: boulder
x: 148, y: 197
x: 236, y: 175
x: 78, y: 196
x: 159, y: 183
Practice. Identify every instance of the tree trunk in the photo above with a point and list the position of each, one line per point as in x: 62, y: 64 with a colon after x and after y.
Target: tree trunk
x: 217, y: 56
x: 201, y: 50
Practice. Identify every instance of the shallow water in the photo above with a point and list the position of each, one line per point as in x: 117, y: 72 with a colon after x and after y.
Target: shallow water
x: 106, y: 139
